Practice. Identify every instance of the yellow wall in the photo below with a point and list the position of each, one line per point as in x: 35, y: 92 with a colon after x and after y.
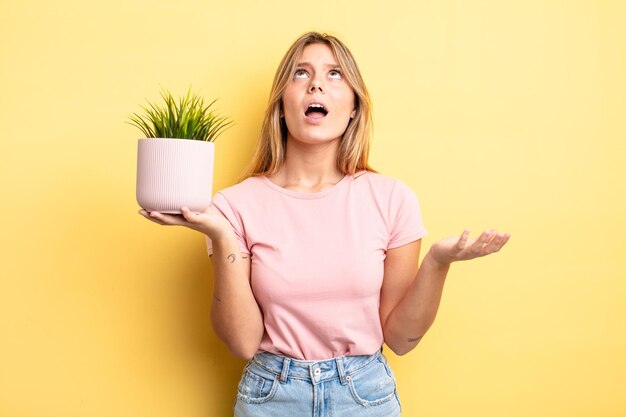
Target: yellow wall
x: 498, y: 114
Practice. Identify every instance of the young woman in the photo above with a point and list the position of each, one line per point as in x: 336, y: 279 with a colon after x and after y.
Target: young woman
x: 316, y: 255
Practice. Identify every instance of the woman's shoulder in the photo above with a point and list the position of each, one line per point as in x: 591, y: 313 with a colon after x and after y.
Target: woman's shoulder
x: 378, y: 180
x: 243, y: 188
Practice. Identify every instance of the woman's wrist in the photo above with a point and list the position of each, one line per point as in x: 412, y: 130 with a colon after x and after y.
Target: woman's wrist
x: 436, y: 260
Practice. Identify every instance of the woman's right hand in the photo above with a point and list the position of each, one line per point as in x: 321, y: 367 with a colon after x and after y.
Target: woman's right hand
x: 210, y: 223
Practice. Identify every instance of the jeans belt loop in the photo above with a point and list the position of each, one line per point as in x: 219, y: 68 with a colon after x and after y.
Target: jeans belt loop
x: 284, y: 373
x: 341, y: 370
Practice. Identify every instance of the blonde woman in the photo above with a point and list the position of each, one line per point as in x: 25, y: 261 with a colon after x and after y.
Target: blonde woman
x: 316, y: 255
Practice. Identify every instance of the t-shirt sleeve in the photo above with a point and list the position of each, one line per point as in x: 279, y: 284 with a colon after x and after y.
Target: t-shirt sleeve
x: 405, y: 217
x: 220, y: 205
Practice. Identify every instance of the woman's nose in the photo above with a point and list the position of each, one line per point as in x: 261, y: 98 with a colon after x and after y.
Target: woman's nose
x: 316, y: 85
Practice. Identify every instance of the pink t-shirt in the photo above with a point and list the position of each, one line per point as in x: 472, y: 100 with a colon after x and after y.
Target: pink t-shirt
x: 317, y: 259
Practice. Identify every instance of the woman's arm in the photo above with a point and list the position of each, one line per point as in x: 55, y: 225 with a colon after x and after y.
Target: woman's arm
x: 409, y: 301
x: 235, y: 314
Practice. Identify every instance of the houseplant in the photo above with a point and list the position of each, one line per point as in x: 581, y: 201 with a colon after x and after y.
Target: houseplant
x: 175, y: 159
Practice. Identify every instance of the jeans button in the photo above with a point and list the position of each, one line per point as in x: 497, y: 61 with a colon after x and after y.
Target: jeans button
x: 317, y: 371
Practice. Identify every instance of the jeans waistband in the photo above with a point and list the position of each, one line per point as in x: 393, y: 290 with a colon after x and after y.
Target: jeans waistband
x: 341, y: 367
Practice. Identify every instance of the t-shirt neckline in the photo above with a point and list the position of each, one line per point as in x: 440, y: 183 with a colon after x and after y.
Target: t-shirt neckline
x: 304, y: 194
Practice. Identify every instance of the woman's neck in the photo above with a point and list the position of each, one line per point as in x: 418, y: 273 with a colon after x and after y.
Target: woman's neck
x: 309, y: 168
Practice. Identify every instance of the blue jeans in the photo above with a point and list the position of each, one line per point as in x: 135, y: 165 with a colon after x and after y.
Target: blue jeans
x: 347, y: 386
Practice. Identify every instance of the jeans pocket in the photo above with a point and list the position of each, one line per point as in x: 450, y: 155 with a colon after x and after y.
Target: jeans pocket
x: 373, y: 385
x: 256, y: 389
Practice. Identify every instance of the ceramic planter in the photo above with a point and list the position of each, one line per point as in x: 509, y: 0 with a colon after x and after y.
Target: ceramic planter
x: 172, y: 173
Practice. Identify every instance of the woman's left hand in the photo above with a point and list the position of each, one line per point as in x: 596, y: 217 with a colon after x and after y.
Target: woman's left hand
x: 453, y: 249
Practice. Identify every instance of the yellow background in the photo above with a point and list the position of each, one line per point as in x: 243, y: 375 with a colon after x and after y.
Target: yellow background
x: 506, y: 115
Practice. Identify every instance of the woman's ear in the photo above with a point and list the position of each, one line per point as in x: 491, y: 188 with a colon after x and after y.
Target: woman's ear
x: 353, y: 114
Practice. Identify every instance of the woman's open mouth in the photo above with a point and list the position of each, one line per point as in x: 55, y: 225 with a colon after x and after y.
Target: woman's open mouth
x: 315, y: 111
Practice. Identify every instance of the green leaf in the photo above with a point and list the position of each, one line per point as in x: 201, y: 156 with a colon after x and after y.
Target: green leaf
x: 187, y: 118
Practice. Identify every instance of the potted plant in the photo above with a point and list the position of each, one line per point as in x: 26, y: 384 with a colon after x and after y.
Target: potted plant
x: 175, y: 159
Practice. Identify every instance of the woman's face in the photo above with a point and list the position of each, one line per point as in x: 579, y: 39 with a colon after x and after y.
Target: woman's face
x: 318, y: 102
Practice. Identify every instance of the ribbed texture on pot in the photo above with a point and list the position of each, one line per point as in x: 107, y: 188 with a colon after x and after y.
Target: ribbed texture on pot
x: 172, y: 173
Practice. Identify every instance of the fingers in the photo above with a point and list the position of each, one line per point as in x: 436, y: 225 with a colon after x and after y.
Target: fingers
x: 489, y: 241
x: 460, y: 245
x: 149, y: 217
x: 162, y: 219
x: 189, y: 216
x: 497, y: 242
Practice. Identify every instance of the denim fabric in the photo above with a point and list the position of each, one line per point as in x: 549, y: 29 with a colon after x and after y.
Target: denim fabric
x: 353, y: 386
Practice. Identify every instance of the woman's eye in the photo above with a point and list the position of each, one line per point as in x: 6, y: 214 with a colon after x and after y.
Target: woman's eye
x: 335, y: 74
x: 300, y: 73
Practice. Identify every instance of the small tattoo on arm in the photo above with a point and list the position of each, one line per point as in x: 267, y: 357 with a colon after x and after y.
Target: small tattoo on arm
x: 219, y: 300
x: 415, y: 340
x: 231, y: 258
x: 244, y: 257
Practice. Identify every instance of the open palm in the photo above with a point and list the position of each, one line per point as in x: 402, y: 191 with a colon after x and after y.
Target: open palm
x: 452, y: 249
x: 208, y: 222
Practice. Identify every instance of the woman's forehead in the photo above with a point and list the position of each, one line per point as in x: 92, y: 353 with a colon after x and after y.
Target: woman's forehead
x: 317, y: 53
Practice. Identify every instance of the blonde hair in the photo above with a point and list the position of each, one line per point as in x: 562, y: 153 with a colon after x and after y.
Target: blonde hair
x: 353, y: 151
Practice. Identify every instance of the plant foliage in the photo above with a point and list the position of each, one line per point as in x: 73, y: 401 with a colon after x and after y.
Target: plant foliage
x: 188, y: 118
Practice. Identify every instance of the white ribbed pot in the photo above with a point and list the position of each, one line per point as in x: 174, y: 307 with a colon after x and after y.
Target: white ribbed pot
x: 174, y: 173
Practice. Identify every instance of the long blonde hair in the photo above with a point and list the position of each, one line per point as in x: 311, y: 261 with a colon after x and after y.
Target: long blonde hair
x: 353, y: 152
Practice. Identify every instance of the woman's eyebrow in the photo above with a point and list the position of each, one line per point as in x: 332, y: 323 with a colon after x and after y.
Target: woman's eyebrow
x: 308, y: 64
